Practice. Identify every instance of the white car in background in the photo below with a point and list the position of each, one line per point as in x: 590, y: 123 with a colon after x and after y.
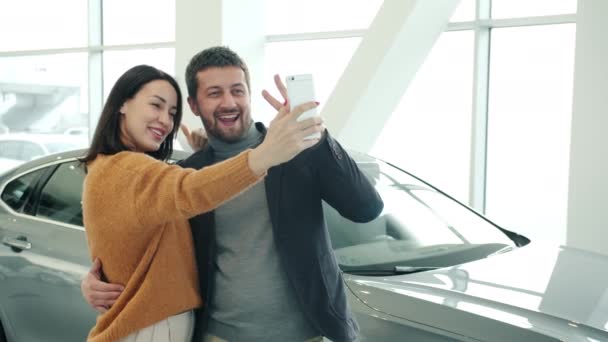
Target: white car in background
x: 7, y: 163
x: 17, y: 148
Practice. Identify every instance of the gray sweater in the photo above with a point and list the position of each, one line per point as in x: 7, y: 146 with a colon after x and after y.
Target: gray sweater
x: 253, y: 300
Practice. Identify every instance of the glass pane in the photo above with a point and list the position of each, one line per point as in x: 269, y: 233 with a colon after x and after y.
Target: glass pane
x: 36, y: 24
x: 60, y: 199
x: 43, y: 105
x: 138, y: 21
x: 115, y: 63
x: 527, y: 8
x: 415, y: 218
x: 295, y: 16
x: 17, y: 191
x: 289, y: 58
x: 430, y: 130
x: 530, y: 100
x: 464, y: 12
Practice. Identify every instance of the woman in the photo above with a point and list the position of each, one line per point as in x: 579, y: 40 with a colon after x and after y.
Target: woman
x: 136, y: 206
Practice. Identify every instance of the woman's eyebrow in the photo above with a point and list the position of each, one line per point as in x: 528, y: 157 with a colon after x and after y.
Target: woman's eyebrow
x: 160, y: 98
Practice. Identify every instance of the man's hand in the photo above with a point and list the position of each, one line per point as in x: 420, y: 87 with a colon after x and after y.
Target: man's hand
x: 285, y: 105
x: 197, y: 139
x: 100, y: 295
x: 276, y: 104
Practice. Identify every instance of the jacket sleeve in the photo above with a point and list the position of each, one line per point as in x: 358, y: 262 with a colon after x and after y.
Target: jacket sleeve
x: 165, y: 192
x: 343, y: 185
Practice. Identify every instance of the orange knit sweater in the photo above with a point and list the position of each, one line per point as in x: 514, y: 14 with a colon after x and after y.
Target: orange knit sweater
x: 135, y: 215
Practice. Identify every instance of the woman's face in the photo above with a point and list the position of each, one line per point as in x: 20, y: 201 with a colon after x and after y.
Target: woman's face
x: 147, y: 118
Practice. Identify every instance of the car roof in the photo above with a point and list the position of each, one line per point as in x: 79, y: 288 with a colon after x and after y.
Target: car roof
x: 77, y: 153
x: 177, y: 155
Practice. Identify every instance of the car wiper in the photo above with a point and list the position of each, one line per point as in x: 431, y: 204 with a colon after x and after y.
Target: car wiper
x: 385, y: 271
x: 502, y: 250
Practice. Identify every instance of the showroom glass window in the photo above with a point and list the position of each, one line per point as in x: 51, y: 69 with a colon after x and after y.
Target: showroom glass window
x: 115, y: 63
x: 453, y: 53
x: 32, y: 25
x: 450, y: 90
x: 428, y: 136
x: 43, y: 105
x: 138, y: 21
x: 56, y: 70
x: 44, y: 86
x: 529, y: 116
x: 502, y: 9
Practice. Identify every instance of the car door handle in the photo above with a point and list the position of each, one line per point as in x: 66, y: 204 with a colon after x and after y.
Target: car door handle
x: 17, y: 244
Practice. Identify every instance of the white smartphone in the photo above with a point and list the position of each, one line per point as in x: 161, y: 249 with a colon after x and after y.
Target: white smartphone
x: 300, y: 89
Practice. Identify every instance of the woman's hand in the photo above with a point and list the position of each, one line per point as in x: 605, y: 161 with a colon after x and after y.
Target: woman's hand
x: 285, y: 137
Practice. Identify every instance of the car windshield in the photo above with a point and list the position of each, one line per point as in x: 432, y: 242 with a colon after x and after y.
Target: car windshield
x: 419, y: 227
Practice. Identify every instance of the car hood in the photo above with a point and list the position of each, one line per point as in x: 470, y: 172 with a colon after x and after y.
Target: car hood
x: 534, y: 287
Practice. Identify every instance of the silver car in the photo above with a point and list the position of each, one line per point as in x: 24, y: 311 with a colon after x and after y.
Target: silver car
x: 428, y: 269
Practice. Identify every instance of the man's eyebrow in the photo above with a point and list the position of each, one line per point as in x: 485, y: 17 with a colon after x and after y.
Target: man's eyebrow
x: 213, y: 88
x: 219, y: 88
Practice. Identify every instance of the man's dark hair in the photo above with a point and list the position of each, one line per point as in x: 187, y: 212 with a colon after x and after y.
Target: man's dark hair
x: 107, y: 137
x: 213, y: 57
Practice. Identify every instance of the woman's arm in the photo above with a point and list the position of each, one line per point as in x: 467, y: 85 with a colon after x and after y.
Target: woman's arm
x: 164, y: 192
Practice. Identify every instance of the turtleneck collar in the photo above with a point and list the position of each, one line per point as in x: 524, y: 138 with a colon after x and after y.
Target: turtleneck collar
x: 224, y: 150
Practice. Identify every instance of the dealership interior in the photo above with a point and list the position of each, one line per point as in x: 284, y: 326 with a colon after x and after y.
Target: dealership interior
x: 496, y: 103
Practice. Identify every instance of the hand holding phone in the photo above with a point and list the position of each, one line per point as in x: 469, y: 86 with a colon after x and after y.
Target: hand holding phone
x: 300, y: 89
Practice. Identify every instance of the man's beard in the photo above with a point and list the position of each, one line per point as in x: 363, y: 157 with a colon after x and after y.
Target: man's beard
x: 212, y: 127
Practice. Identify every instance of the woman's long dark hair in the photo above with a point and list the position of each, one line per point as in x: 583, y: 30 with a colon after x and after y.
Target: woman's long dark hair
x: 107, y: 137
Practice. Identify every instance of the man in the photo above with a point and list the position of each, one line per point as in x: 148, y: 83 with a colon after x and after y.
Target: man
x: 266, y: 267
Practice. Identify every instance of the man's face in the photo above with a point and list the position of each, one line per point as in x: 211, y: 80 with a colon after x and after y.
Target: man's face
x: 223, y: 103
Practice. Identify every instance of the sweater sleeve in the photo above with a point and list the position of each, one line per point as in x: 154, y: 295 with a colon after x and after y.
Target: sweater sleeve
x: 165, y: 192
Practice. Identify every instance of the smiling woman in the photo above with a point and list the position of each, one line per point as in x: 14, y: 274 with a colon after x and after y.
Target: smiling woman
x: 148, y: 117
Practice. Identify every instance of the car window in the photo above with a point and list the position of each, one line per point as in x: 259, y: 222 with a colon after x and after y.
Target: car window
x: 60, y: 199
x: 17, y: 191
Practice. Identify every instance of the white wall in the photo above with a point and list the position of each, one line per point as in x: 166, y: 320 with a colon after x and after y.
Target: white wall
x: 588, y: 183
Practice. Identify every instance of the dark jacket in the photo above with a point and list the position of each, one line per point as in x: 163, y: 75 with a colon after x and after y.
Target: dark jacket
x: 294, y: 191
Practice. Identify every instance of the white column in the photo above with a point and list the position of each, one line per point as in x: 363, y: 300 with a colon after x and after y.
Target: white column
x: 243, y: 32
x: 391, y: 52
x: 234, y: 23
x: 95, y: 66
x: 588, y: 182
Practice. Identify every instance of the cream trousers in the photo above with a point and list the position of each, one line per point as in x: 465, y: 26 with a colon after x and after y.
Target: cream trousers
x: 176, y: 328
x: 212, y: 338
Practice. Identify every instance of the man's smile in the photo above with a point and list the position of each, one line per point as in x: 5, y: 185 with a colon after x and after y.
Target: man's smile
x: 228, y: 119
